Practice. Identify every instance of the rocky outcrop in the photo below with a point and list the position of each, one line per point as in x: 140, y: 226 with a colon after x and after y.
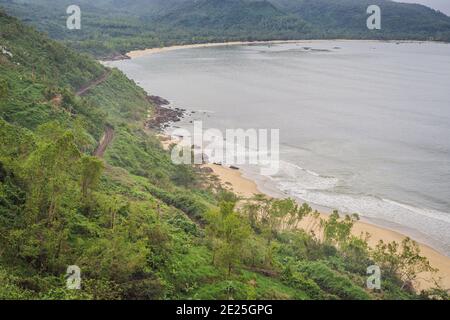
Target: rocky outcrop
x: 163, y: 116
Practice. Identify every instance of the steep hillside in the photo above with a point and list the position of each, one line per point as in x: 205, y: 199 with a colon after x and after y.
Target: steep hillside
x: 137, y: 225
x: 39, y: 77
x: 59, y: 206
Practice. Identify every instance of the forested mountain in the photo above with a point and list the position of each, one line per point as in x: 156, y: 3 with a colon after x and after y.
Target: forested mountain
x: 399, y: 20
x: 221, y: 14
x: 117, y: 26
x: 137, y: 225
x: 224, y: 20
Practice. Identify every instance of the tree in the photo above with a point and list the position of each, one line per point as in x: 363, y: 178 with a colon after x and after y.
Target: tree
x: 337, y: 231
x: 234, y: 233
x: 49, y: 171
x: 403, y: 261
x: 297, y: 215
x: 271, y: 216
x: 47, y: 174
x: 228, y: 232
x: 91, y: 169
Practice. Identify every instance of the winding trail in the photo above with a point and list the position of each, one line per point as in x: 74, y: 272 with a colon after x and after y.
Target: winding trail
x: 104, y: 142
x: 109, y: 131
x: 94, y: 83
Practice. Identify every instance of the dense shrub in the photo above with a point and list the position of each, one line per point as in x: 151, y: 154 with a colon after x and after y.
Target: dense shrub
x: 332, y: 282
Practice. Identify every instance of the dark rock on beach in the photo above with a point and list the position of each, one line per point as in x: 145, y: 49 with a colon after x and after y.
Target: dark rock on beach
x: 163, y: 116
x: 158, y: 101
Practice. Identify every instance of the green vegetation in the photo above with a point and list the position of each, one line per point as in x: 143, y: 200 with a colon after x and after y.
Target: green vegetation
x: 111, y: 28
x: 138, y: 226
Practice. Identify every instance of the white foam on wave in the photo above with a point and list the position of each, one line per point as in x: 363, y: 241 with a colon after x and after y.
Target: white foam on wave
x: 434, y: 214
x: 294, y: 176
x: 315, y: 189
x: 428, y: 225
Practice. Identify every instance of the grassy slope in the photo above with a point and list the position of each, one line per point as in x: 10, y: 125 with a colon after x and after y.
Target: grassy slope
x: 135, y: 165
x: 138, y: 231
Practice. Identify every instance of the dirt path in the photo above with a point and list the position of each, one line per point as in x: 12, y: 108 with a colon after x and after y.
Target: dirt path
x: 109, y: 131
x: 93, y: 83
x: 104, y: 142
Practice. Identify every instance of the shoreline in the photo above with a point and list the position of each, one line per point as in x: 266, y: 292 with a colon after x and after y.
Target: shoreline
x: 139, y: 53
x: 246, y: 187
x: 143, y: 52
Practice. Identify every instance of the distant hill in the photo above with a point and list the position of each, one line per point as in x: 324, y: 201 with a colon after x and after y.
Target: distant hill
x: 221, y: 14
x: 399, y: 20
x: 110, y: 27
x: 238, y: 18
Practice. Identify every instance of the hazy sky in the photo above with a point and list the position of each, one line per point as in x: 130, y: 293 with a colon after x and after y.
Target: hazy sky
x: 442, y: 5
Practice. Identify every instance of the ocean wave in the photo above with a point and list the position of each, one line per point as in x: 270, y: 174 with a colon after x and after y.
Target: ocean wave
x: 434, y: 214
x: 309, y: 186
x: 293, y: 176
x: 431, y: 225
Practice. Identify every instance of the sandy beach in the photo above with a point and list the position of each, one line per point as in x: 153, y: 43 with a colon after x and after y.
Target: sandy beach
x: 246, y: 188
x: 140, y: 53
